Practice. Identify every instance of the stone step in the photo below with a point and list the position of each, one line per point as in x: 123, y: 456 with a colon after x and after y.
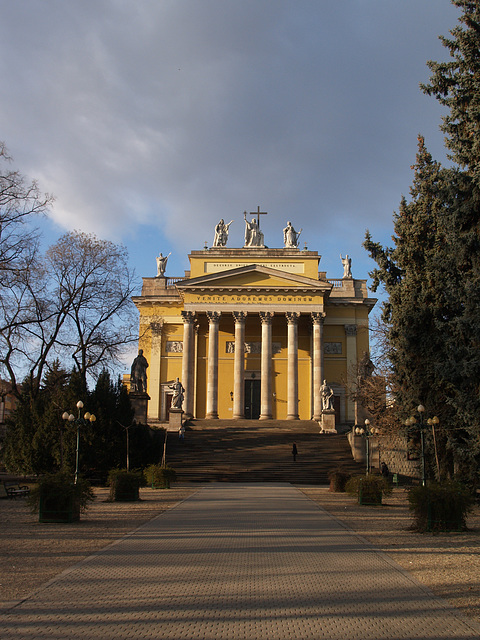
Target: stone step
x: 249, y: 451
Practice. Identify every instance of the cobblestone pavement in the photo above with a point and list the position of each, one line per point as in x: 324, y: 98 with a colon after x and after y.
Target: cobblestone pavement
x: 235, y: 562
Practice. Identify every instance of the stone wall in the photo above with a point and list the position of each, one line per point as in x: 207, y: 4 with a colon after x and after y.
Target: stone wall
x: 386, y: 448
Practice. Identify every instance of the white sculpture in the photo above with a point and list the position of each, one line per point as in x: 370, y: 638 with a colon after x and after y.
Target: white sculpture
x: 347, y: 266
x: 178, y: 391
x: 221, y: 234
x: 327, y: 397
x: 162, y: 264
x: 253, y: 235
x: 290, y: 236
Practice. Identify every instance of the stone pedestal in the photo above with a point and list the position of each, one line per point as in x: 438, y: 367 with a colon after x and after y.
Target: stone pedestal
x: 175, y: 419
x: 139, y: 402
x: 327, y: 422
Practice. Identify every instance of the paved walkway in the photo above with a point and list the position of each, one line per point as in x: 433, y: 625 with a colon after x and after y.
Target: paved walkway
x: 237, y: 562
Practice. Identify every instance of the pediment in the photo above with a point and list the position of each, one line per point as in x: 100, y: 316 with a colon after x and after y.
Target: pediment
x: 253, y: 276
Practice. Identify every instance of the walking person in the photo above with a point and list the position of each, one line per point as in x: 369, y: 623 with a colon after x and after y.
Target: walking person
x: 294, y: 451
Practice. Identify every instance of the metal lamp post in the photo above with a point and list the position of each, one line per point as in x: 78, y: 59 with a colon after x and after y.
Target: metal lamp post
x: 409, y: 422
x: 433, y: 422
x: 367, y: 432
x: 80, y: 421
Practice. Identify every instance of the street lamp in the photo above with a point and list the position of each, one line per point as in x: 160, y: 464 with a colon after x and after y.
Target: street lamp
x: 80, y: 421
x: 367, y: 432
x: 433, y: 423
x: 409, y: 422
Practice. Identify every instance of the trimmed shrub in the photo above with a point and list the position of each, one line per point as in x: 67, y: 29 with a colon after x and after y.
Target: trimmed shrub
x: 58, y: 499
x: 368, y: 489
x: 338, y: 480
x: 440, y: 506
x: 159, y: 477
x: 124, y: 485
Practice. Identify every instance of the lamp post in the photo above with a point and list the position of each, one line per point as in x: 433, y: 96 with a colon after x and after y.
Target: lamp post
x: 433, y: 423
x: 409, y: 422
x: 80, y: 421
x: 367, y: 432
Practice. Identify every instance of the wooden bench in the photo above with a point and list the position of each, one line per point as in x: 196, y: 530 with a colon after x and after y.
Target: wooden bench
x: 14, y: 490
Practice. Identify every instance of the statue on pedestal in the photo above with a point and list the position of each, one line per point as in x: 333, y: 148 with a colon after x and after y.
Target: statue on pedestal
x: 290, y: 237
x: 347, y: 266
x: 327, y: 397
x: 178, y: 391
x: 162, y: 264
x: 138, y: 373
x: 221, y: 234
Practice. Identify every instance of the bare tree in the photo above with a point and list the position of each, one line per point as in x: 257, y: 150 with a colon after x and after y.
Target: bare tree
x: 20, y: 267
x: 93, y: 284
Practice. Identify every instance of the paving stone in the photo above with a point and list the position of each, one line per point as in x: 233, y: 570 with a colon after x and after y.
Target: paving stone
x: 238, y: 562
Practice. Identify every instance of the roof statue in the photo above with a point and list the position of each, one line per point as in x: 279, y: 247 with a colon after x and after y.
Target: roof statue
x: 162, y: 264
x: 347, y: 266
x: 290, y: 236
x: 221, y: 234
x: 253, y: 235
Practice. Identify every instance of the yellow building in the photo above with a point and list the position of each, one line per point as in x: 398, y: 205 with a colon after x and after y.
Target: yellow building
x: 252, y: 333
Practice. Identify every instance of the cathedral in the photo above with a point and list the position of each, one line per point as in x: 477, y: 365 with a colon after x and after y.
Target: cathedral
x: 253, y: 332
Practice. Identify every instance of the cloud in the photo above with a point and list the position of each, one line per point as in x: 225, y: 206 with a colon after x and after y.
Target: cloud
x: 169, y: 115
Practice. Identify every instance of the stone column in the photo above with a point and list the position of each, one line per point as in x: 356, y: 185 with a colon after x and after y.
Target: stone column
x: 188, y: 364
x: 351, y: 334
x: 239, y: 366
x: 212, y: 373
x: 154, y: 371
x: 266, y: 366
x: 292, y: 378
x: 318, y: 366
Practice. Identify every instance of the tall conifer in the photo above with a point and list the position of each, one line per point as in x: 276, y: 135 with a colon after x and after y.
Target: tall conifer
x: 432, y: 275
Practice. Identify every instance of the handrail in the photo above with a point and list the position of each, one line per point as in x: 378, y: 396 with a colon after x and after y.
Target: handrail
x: 337, y: 284
x: 172, y: 281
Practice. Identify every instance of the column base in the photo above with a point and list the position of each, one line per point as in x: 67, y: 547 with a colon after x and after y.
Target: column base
x: 240, y: 416
x: 293, y: 417
x: 211, y: 416
x: 265, y: 417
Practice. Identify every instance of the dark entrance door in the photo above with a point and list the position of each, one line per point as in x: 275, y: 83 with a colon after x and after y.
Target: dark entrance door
x: 252, y: 399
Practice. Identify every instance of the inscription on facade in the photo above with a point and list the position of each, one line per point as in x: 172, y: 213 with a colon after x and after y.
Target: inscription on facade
x: 253, y: 347
x: 289, y: 267
x: 253, y: 299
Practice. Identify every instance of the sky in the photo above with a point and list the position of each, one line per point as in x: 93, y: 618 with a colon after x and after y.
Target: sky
x: 149, y: 120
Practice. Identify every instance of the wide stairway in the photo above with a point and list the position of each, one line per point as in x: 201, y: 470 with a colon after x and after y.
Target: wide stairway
x: 254, y: 451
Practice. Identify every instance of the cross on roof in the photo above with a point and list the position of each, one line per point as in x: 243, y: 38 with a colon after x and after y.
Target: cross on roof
x: 258, y: 213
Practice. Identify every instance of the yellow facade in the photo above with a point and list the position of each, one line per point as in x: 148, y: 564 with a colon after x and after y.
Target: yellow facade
x: 188, y: 330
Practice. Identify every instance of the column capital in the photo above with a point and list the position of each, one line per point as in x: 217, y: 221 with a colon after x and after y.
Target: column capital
x: 266, y: 317
x: 188, y: 316
x: 239, y: 316
x: 292, y: 317
x: 156, y: 328
x: 318, y: 317
x: 213, y: 316
x: 351, y: 329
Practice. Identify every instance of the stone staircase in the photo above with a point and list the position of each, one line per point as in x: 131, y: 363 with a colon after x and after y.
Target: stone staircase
x: 253, y: 451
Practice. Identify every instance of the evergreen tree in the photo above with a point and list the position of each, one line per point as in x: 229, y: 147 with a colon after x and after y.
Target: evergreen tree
x: 417, y: 274
x: 432, y: 275
x: 36, y: 440
x: 456, y: 85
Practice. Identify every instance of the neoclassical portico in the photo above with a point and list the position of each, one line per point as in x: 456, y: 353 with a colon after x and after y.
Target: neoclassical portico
x: 252, y: 333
